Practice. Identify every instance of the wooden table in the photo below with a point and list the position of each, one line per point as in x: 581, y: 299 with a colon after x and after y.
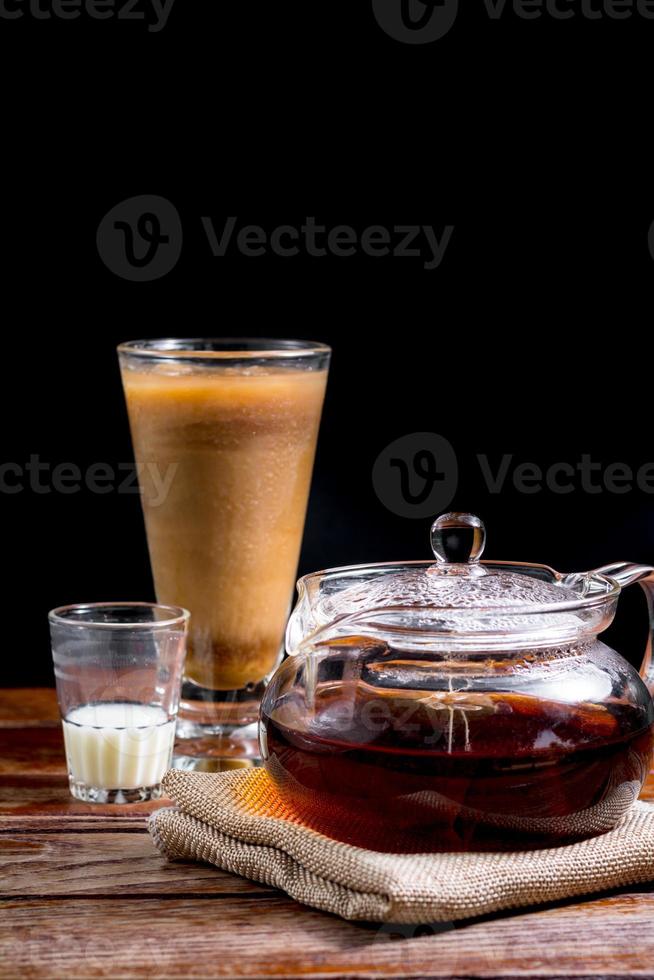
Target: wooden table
x: 85, y: 894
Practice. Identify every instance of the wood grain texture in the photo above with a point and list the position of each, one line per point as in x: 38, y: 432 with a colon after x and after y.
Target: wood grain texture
x: 84, y: 893
x: 28, y: 707
x: 35, y: 751
x: 44, y: 802
x: 67, y: 864
x: 273, y: 937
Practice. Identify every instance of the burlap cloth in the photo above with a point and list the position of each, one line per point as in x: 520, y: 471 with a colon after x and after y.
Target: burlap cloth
x: 236, y: 820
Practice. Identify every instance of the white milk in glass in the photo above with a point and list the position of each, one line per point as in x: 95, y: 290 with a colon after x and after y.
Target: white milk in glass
x: 118, y: 746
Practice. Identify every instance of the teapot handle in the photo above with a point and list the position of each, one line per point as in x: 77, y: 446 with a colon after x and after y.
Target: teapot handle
x: 626, y: 573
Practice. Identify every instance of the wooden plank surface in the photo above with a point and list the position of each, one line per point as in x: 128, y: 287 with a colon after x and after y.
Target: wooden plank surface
x: 28, y: 707
x: 43, y: 802
x: 272, y: 937
x: 67, y: 864
x: 84, y: 892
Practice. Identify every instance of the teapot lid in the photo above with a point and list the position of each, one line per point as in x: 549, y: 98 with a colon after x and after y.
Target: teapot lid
x: 458, y: 580
x: 459, y: 598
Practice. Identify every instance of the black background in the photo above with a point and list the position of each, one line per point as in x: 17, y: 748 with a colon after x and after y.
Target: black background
x: 532, y: 138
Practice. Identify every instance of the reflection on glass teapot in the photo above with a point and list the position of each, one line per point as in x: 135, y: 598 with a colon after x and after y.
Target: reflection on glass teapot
x: 458, y: 704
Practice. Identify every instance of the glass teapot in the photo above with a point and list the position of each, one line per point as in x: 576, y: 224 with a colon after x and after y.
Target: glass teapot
x: 457, y: 704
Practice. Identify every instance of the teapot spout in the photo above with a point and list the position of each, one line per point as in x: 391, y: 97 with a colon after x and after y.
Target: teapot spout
x: 626, y: 573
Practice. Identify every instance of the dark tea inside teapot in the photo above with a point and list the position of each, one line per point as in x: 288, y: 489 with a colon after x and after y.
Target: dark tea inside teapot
x: 457, y: 704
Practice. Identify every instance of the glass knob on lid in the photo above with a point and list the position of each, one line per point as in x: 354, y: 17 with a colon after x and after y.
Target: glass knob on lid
x: 458, y: 538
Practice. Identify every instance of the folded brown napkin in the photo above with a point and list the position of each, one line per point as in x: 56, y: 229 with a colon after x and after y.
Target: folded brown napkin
x: 237, y: 821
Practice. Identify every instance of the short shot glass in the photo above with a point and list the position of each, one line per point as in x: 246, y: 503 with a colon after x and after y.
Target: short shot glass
x: 118, y: 668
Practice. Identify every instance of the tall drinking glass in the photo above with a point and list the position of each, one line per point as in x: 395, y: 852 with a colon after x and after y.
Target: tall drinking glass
x: 224, y: 434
